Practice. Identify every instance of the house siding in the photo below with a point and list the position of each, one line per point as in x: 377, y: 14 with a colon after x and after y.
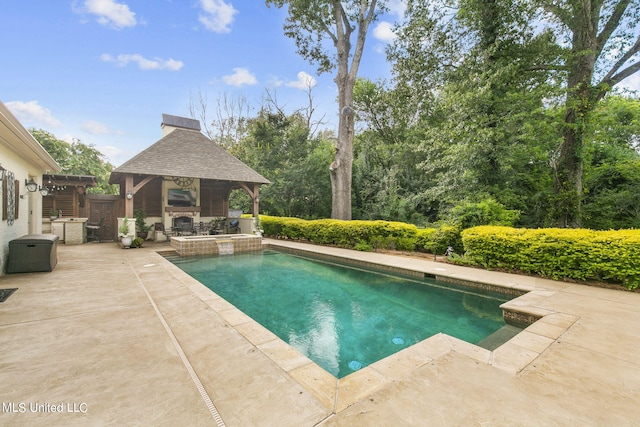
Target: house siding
x: 21, y: 226
x: 22, y: 156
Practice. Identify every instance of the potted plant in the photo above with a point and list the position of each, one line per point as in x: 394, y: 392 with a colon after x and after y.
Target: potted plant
x: 53, y: 214
x: 142, y: 229
x: 137, y: 242
x: 123, y: 232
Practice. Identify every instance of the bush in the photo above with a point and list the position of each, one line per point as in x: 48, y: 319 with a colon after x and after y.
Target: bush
x: 579, y: 254
x: 349, y: 234
x: 485, y: 212
x: 425, y: 240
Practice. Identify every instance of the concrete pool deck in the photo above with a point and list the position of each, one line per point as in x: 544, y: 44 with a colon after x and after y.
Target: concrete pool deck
x: 122, y: 337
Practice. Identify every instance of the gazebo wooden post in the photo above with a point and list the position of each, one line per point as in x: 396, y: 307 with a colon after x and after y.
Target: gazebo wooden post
x: 128, y: 190
x: 256, y: 200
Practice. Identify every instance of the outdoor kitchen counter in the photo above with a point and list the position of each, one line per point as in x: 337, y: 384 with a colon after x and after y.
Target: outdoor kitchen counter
x: 72, y: 230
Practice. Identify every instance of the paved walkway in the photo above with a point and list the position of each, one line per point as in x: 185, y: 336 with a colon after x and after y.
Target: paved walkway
x: 122, y: 337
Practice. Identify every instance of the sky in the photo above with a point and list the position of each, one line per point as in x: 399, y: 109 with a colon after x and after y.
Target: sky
x: 104, y: 71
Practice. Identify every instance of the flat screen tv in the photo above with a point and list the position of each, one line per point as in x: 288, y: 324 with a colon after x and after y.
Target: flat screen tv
x: 181, y: 198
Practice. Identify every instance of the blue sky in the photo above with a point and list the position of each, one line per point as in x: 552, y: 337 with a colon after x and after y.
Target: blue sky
x: 104, y: 71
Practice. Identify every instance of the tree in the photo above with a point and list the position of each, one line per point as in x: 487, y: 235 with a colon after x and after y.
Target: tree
x: 77, y: 158
x: 612, y: 165
x: 230, y: 123
x: 279, y: 147
x: 387, y: 181
x: 310, y: 23
x: 601, y: 35
x: 479, y: 89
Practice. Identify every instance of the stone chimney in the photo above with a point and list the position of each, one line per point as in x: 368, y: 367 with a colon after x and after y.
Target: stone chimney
x: 170, y: 123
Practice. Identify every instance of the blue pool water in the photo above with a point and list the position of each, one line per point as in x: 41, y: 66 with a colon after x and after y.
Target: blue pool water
x: 344, y: 318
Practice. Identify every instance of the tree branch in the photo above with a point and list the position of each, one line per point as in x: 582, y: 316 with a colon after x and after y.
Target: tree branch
x: 611, y: 75
x: 363, y: 26
x: 611, y: 25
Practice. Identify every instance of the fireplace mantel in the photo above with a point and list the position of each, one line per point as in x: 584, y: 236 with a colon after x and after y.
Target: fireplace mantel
x: 175, y: 211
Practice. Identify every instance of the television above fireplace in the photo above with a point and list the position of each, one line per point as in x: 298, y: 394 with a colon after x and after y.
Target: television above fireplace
x: 181, y: 197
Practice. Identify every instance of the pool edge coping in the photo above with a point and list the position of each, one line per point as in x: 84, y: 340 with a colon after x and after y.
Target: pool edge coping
x: 338, y: 394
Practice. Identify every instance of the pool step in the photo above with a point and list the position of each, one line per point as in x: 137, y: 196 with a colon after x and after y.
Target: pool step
x: 499, y: 337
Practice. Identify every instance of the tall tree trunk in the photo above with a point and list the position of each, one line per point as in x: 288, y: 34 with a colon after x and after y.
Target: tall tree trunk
x: 580, y: 101
x: 341, y: 168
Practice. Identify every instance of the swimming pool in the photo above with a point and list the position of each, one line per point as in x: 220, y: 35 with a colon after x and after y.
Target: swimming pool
x: 344, y: 318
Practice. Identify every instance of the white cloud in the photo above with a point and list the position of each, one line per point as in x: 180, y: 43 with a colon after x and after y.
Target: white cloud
x: 114, y: 154
x: 240, y: 77
x: 630, y: 83
x: 111, y: 14
x: 275, y: 82
x: 144, y: 63
x: 305, y: 81
x: 32, y: 113
x: 217, y: 16
x: 384, y: 32
x: 95, y: 128
x: 397, y: 7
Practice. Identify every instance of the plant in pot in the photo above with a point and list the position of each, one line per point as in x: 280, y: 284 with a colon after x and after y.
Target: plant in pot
x: 142, y: 229
x: 53, y: 214
x: 123, y: 232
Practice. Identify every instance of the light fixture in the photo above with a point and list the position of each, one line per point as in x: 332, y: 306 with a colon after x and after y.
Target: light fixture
x: 129, y: 195
x: 44, y: 191
x: 2, y: 173
x: 31, y: 185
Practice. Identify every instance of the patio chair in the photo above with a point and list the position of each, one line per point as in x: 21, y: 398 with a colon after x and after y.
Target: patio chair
x: 93, y: 230
x: 158, y: 226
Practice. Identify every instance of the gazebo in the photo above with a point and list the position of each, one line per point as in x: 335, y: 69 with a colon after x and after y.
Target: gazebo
x: 184, y: 176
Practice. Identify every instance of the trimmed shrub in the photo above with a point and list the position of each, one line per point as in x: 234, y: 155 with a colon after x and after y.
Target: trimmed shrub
x: 579, y: 254
x: 425, y: 240
x: 437, y: 240
x: 349, y: 234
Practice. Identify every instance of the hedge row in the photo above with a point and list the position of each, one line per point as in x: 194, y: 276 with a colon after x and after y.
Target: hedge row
x: 580, y: 254
x: 361, y: 235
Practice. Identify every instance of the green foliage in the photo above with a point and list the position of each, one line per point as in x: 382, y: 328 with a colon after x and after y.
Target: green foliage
x: 387, y: 175
x: 279, y: 147
x: 425, y: 240
x: 141, y: 215
x: 123, y: 230
x: 612, y: 166
x: 363, y: 246
x: 137, y: 242
x: 485, y: 212
x: 580, y: 254
x: 77, y: 158
x: 349, y: 234
x: 441, y: 238
x: 311, y: 23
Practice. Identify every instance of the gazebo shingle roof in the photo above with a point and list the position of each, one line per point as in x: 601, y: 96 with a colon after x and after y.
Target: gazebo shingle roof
x: 188, y: 153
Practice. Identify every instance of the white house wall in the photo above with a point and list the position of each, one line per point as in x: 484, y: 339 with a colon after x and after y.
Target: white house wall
x: 22, y: 155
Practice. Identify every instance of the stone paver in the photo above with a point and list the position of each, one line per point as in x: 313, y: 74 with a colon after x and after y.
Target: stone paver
x: 122, y: 337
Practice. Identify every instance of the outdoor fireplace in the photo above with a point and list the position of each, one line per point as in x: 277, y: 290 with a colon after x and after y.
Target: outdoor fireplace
x: 183, y: 222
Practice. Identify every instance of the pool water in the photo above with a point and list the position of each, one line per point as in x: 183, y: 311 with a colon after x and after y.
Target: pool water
x: 340, y: 317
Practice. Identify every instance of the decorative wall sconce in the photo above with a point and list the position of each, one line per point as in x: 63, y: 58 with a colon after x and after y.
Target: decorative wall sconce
x: 129, y: 195
x: 31, y: 185
x: 2, y: 173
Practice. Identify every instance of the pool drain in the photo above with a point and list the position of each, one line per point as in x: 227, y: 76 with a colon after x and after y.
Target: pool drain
x: 397, y: 341
x: 355, y: 365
